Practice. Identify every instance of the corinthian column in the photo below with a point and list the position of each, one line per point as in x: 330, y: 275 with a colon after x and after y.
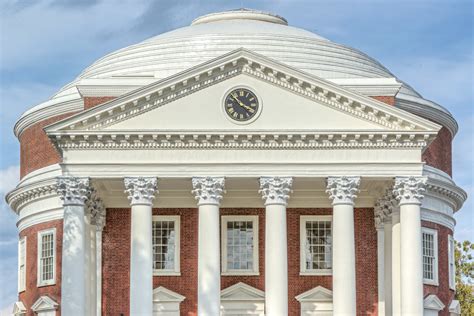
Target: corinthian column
x: 409, y: 192
x: 73, y: 192
x: 208, y: 192
x: 141, y: 193
x: 275, y: 192
x: 342, y: 191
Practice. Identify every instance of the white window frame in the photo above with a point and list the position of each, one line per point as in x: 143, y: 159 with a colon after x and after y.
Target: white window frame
x: 235, y: 218
x: 451, y: 261
x: 40, y: 281
x: 433, y: 232
x: 303, y: 220
x: 177, y: 247
x: 22, y: 285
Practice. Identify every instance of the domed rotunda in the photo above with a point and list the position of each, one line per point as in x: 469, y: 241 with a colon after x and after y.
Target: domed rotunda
x: 238, y: 165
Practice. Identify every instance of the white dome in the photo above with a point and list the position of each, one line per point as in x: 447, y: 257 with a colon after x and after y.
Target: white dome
x: 215, y: 34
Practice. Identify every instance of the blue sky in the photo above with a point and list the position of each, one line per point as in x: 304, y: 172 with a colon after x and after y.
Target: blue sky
x: 45, y: 44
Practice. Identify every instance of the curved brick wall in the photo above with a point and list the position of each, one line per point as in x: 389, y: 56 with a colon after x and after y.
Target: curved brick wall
x: 36, y: 150
x: 438, y: 154
x: 32, y: 292
x: 444, y: 293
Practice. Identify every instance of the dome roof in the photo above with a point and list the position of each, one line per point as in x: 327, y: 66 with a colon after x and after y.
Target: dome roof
x: 213, y: 35
x: 216, y: 34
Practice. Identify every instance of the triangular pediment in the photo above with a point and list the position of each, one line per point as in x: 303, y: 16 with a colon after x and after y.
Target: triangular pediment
x: 433, y: 302
x: 292, y: 102
x: 242, y: 292
x: 44, y: 303
x: 455, y: 308
x: 19, y: 309
x: 162, y: 294
x: 317, y: 294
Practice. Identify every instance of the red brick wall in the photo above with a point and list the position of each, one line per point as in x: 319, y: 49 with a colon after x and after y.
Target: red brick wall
x: 90, y: 102
x: 36, y: 150
x: 438, y: 153
x: 444, y: 293
x: 32, y: 292
x: 385, y: 99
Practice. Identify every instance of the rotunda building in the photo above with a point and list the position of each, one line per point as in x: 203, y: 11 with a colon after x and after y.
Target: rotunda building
x: 236, y: 166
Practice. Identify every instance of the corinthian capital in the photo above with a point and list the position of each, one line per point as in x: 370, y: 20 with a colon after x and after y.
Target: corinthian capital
x: 208, y: 190
x: 409, y: 190
x: 342, y: 190
x: 275, y: 190
x: 141, y: 190
x: 72, y: 190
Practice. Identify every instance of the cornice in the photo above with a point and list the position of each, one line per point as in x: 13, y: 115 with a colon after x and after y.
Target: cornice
x: 25, y: 194
x: 232, y: 64
x: 258, y: 139
x: 428, y: 112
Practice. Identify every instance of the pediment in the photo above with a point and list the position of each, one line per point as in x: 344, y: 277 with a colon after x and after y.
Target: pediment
x: 433, y: 302
x: 190, y: 105
x: 44, y: 303
x: 242, y: 292
x: 317, y: 294
x: 19, y: 309
x: 162, y: 294
x: 455, y: 308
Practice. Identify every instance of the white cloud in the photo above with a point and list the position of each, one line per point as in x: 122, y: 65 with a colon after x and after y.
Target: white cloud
x: 9, y: 178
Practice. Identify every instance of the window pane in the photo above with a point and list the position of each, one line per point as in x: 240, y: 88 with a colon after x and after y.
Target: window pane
x: 318, y: 250
x: 428, y: 256
x: 164, y: 245
x: 46, y: 257
x: 240, y: 245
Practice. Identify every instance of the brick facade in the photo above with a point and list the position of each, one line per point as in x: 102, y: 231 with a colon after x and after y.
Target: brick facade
x: 390, y: 100
x: 444, y: 293
x: 90, y: 102
x: 116, y: 247
x: 33, y: 292
x: 439, y: 152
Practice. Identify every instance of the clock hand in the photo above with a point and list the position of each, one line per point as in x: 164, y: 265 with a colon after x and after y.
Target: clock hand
x: 240, y: 103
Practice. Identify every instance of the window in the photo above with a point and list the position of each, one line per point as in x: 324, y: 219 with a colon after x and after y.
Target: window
x: 316, y: 245
x: 239, y: 245
x: 22, y: 264
x: 166, y: 245
x: 46, y: 257
x: 430, y: 256
x: 452, y: 268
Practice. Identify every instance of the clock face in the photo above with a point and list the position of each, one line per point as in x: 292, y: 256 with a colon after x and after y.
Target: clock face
x: 241, y: 104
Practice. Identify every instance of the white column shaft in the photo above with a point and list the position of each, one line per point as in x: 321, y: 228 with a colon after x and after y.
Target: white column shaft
x: 209, y: 276
x: 87, y: 265
x: 381, y: 270
x: 73, y: 291
x: 276, y: 261
x: 99, y: 271
x: 396, y: 291
x: 141, y: 264
x: 344, y: 281
x: 387, y: 275
x: 93, y: 271
x: 411, y: 260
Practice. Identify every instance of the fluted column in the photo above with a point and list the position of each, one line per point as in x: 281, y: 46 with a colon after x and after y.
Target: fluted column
x: 208, y: 191
x: 73, y: 192
x: 409, y: 192
x: 141, y: 193
x: 275, y: 192
x: 342, y: 191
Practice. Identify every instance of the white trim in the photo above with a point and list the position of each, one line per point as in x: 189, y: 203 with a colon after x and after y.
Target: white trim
x: 22, y: 286
x: 432, y: 302
x: 303, y: 220
x: 19, y: 309
x: 40, y: 281
x: 230, y: 218
x: 452, y: 259
x: 434, y: 233
x: 177, y: 228
x: 44, y: 304
x: 454, y: 308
